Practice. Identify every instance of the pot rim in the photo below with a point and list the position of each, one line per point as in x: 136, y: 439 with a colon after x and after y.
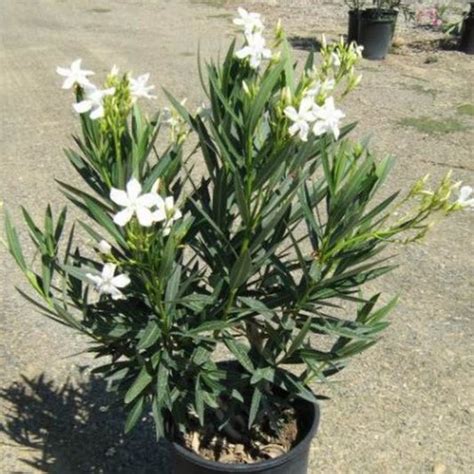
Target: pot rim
x: 269, y: 463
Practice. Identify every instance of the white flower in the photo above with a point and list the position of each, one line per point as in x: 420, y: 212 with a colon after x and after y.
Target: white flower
x: 255, y: 50
x: 104, y: 247
x: 107, y: 283
x: 335, y: 59
x: 327, y: 118
x: 321, y: 88
x: 139, y: 87
x: 358, y: 50
x: 251, y: 22
x: 168, y: 212
x: 114, y: 71
x: 464, y: 199
x: 134, y: 203
x: 301, y: 118
x: 93, y: 101
x: 171, y: 118
x: 74, y: 74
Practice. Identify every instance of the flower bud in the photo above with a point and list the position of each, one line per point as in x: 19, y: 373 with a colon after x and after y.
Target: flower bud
x: 104, y: 247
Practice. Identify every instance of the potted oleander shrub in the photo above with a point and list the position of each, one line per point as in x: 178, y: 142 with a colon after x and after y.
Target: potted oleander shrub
x: 458, y: 26
x: 466, y: 41
x: 355, y: 7
x: 376, y: 26
x: 218, y: 285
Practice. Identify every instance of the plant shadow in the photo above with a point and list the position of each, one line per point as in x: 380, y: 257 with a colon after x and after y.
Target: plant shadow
x: 305, y: 43
x: 432, y: 45
x: 73, y: 428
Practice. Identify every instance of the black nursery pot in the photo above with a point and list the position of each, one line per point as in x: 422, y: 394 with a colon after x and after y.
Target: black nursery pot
x: 466, y: 43
x: 294, y: 462
x: 353, y: 29
x: 376, y: 29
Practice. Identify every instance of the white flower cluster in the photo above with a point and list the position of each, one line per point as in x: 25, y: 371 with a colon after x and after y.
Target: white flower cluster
x: 108, y: 283
x: 148, y: 208
x: 93, y: 101
x: 311, y: 116
x: 255, y: 49
x: 465, y: 200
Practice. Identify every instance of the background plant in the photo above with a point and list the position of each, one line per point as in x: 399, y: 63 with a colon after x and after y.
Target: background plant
x: 266, y: 253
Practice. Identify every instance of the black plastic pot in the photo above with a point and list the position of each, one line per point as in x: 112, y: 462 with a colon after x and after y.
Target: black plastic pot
x: 466, y: 43
x: 294, y: 462
x: 353, y: 29
x: 376, y: 29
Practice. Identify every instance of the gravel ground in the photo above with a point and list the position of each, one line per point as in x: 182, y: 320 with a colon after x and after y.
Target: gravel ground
x: 406, y: 406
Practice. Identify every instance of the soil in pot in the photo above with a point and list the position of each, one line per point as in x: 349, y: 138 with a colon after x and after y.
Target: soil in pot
x: 260, y: 443
x: 376, y: 29
x: 263, y: 455
x: 466, y: 43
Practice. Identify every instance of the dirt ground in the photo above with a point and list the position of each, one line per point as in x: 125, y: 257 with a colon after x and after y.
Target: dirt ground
x: 407, y: 405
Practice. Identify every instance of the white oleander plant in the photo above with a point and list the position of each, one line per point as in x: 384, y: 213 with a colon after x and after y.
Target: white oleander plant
x: 265, y: 252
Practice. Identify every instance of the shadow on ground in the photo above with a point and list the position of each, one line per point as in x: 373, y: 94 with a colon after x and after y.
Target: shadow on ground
x: 305, y: 43
x: 73, y: 429
x: 432, y: 45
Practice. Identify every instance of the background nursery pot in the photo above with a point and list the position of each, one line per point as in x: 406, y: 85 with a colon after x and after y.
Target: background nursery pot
x: 294, y: 462
x: 376, y: 29
x: 466, y: 43
x: 353, y: 29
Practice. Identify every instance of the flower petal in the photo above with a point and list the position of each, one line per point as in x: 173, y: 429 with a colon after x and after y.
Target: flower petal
x: 119, y: 197
x: 134, y: 189
x: 465, y: 192
x: 104, y: 247
x: 159, y: 215
x: 144, y: 216
x: 244, y: 52
x: 83, y: 106
x: 319, y: 128
x: 68, y: 82
x: 169, y: 203
x: 108, y: 270
x: 117, y: 294
x: 149, y: 200
x: 76, y: 65
x: 121, y: 281
x: 123, y: 217
x: 62, y: 71
x: 291, y: 113
x: 94, y: 279
x: 98, y: 112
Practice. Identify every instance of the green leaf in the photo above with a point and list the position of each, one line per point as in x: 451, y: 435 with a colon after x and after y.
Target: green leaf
x: 162, y: 388
x: 293, y: 385
x: 264, y: 93
x: 173, y: 286
x: 254, y: 406
x: 199, y: 401
x: 241, y: 201
x: 158, y: 418
x: 141, y: 383
x: 179, y: 107
x: 299, y: 339
x: 264, y: 373
x: 134, y: 414
x: 258, y: 306
x: 240, y: 271
x: 150, y: 335
x: 240, y: 351
x: 35, y: 231
x: 211, y: 326
x: 105, y: 221
x: 13, y: 243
